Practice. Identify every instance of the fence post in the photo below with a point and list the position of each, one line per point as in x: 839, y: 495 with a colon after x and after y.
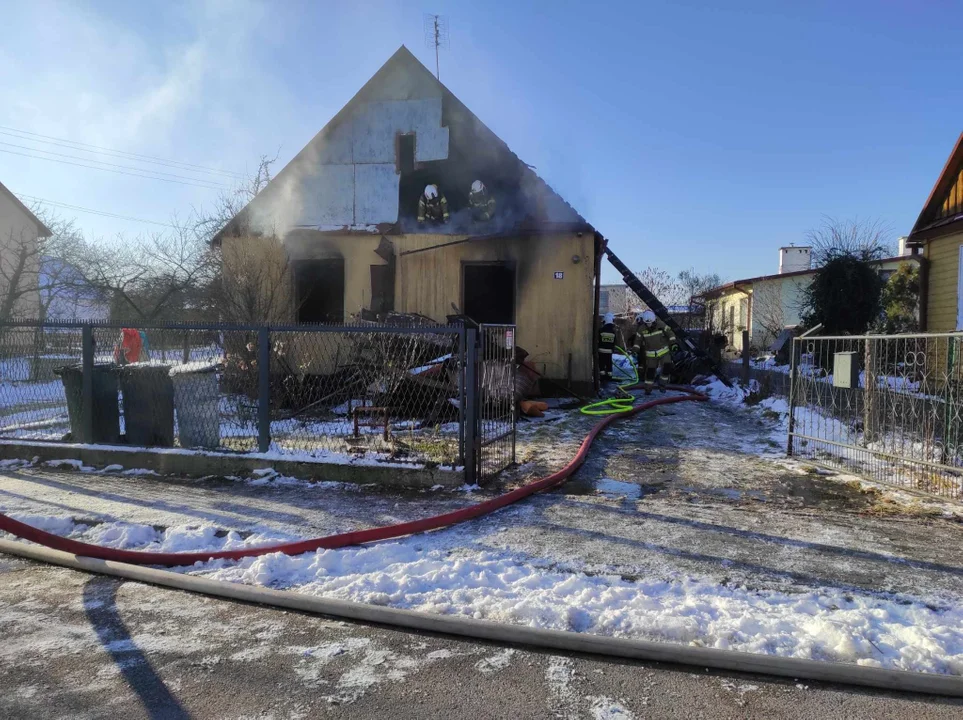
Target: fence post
x: 263, y: 389
x: 471, y: 403
x: 87, y: 388
x: 793, y: 375
x: 870, y: 389
x: 514, y: 400
x: 745, y: 358
x: 462, y: 369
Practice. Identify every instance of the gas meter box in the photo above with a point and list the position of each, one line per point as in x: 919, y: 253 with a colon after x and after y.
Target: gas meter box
x: 846, y: 370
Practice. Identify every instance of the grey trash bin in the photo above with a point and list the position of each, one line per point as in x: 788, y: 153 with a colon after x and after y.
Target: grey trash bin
x: 148, y: 401
x: 196, y: 402
x: 106, y: 414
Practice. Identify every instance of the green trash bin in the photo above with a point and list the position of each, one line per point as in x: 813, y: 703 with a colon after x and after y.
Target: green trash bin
x: 106, y: 414
x: 148, y: 400
x: 197, y: 404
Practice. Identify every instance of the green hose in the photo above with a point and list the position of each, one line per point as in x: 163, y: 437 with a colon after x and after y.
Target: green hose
x: 620, y: 404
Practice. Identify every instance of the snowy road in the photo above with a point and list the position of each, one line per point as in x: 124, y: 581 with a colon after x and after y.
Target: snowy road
x: 79, y: 646
x: 679, y: 528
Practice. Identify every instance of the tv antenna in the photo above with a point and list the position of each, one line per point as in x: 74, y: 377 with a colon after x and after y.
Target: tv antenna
x: 436, y: 36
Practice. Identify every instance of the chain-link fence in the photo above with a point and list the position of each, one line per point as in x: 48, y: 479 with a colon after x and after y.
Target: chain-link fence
x: 889, y: 407
x: 336, y: 393
x: 770, y: 379
x: 497, y: 410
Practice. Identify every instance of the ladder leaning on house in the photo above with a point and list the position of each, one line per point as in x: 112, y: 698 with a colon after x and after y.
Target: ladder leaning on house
x: 629, y: 278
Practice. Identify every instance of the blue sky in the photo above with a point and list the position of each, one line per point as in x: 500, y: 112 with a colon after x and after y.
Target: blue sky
x: 700, y: 134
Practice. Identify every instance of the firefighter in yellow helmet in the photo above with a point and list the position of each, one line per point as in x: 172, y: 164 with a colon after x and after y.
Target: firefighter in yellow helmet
x: 432, y: 206
x: 652, y: 344
x: 481, y: 201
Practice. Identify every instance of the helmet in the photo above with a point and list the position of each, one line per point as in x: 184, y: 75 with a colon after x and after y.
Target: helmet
x: 478, y: 187
x: 431, y: 191
x: 647, y: 317
x: 608, y: 318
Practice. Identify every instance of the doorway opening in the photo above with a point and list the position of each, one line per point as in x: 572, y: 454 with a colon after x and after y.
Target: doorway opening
x: 319, y: 286
x: 489, y: 293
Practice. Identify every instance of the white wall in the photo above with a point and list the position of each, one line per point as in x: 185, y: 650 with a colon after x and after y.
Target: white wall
x: 17, y: 227
x: 348, y: 178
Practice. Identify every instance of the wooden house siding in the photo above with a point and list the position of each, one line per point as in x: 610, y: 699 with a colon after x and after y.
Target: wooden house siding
x: 943, y: 255
x: 554, y: 317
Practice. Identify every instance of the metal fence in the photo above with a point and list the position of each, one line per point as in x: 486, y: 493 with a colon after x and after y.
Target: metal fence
x: 888, y: 407
x: 496, y: 415
x: 368, y: 393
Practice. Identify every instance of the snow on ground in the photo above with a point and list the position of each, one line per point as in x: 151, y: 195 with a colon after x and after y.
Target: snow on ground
x: 824, y: 625
x: 512, y: 568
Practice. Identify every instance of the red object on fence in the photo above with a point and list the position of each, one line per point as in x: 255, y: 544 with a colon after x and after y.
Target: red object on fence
x: 140, y: 557
x: 130, y: 346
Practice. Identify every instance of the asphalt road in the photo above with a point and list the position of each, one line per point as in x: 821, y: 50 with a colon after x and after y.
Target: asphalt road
x: 74, y: 645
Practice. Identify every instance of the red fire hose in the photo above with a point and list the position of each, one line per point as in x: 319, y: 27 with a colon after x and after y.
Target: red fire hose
x: 140, y: 557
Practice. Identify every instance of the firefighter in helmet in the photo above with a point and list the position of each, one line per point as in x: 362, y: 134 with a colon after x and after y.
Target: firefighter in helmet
x: 606, y: 346
x: 481, y: 201
x: 432, y: 206
x: 652, y: 345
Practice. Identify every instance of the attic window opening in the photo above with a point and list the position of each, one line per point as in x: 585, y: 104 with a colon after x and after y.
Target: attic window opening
x: 405, y: 153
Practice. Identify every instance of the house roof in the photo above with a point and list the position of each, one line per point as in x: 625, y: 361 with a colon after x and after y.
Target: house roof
x: 42, y: 230
x: 403, y: 58
x: 734, y: 284
x: 928, y: 226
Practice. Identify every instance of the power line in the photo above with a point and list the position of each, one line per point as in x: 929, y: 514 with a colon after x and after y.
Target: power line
x: 107, y: 169
x: 104, y: 213
x: 77, y: 145
x: 115, y: 165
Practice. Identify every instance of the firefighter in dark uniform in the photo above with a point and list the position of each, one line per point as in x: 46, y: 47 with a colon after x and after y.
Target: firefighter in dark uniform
x: 432, y: 206
x: 606, y: 346
x: 481, y: 201
x: 652, y: 345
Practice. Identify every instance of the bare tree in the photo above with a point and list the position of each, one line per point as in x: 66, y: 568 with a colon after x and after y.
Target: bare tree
x: 177, y: 274
x: 255, y: 283
x: 865, y: 240
x: 20, y: 273
x: 666, y: 288
x: 768, y: 312
x: 207, y: 223
x: 149, y: 278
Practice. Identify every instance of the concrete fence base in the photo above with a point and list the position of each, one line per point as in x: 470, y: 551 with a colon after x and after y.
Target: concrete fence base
x: 174, y: 461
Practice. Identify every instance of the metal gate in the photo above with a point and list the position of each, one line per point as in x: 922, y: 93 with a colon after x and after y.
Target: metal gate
x: 494, y: 401
x: 889, y: 407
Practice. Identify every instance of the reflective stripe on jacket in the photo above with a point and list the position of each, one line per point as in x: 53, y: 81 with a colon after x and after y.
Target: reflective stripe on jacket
x: 656, y: 342
x: 607, y: 339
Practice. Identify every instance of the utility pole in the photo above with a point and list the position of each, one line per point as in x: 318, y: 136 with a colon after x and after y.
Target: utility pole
x: 436, y: 36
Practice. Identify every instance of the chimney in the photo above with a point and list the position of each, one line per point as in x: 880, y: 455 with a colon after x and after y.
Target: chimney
x: 793, y: 259
x: 903, y: 250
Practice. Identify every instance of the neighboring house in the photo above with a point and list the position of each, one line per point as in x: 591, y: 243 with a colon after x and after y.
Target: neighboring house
x: 20, y: 231
x: 346, y: 210
x: 618, y: 299
x: 767, y: 304
x: 65, y: 295
x: 939, y: 232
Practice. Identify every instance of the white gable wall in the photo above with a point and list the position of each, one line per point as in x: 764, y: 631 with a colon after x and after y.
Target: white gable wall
x: 348, y: 178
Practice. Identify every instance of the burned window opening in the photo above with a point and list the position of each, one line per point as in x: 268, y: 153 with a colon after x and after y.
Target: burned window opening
x: 320, y: 290
x: 405, y: 153
x: 488, y: 292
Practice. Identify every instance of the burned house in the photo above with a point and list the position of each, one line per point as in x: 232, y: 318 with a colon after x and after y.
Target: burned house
x: 346, y: 209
